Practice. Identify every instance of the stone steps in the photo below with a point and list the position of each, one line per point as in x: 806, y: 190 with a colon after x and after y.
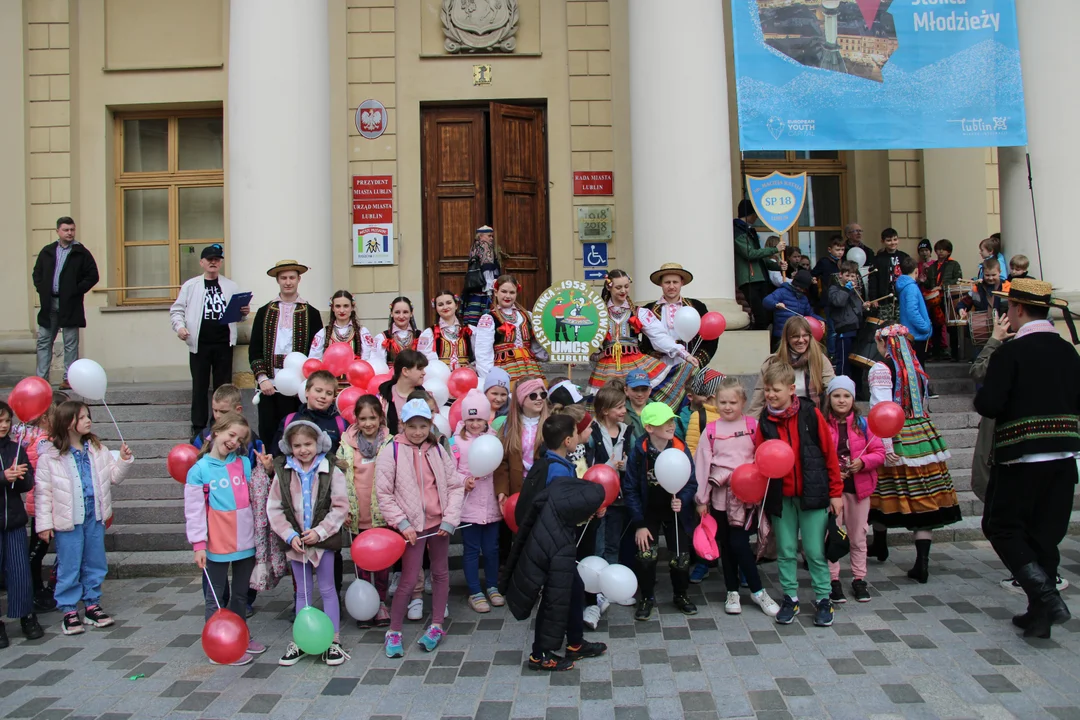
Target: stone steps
x: 175, y: 431
x: 153, y: 488
x: 162, y: 511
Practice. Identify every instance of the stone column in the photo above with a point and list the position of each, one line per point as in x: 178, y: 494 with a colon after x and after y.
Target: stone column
x: 679, y: 135
x: 1054, y: 147
x: 278, y: 171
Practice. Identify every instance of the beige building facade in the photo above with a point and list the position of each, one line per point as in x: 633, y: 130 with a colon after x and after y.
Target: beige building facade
x: 161, y: 126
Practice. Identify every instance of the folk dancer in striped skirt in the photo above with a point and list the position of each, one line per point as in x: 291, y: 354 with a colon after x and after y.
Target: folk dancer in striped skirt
x: 914, y: 489
x: 504, y: 338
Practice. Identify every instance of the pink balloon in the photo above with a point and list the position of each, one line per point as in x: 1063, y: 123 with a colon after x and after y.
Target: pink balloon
x: 337, y: 357
x: 817, y: 328
x: 373, y: 386
x: 311, y: 366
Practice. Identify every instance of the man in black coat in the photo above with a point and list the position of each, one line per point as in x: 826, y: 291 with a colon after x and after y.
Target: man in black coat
x: 64, y: 272
x: 1032, y: 391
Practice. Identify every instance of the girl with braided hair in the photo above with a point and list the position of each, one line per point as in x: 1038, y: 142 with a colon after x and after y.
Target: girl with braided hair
x: 914, y: 489
x: 401, y: 334
x: 345, y: 328
x: 448, y: 339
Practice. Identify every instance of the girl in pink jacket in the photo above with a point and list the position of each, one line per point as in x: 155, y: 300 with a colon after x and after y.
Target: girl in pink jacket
x: 73, y: 500
x: 420, y: 494
x: 861, y: 454
x: 480, y: 508
x: 727, y: 443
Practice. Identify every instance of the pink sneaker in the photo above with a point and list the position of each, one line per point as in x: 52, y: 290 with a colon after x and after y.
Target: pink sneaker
x: 245, y: 659
x: 382, y: 618
x: 256, y: 648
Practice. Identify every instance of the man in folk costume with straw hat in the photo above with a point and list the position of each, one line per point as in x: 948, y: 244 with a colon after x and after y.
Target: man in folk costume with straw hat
x: 685, y: 359
x: 285, y: 324
x: 1036, y: 444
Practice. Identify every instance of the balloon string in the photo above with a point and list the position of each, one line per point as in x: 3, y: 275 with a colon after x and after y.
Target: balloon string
x: 583, y: 532
x: 115, y: 425
x: 211, y: 586
x: 459, y: 527
x: 18, y: 447
x: 677, y: 552
x: 307, y: 594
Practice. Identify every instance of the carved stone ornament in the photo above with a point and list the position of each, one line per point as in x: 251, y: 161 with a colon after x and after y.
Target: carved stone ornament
x: 480, y: 25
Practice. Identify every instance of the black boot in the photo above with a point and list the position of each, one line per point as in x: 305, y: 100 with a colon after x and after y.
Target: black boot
x: 4, y: 642
x: 1024, y: 621
x: 31, y: 628
x: 879, y: 546
x: 1047, y: 607
x: 921, y: 570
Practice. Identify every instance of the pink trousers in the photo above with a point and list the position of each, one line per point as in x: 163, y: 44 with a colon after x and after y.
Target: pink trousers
x: 856, y: 513
x: 412, y: 569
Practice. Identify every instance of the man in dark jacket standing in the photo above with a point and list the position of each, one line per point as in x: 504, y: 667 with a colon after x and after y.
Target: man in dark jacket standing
x: 64, y: 272
x: 751, y: 273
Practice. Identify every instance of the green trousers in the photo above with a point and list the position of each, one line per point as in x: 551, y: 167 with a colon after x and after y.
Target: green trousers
x: 787, y: 528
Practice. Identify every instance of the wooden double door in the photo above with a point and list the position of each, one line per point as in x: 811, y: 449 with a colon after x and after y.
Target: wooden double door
x: 485, y: 165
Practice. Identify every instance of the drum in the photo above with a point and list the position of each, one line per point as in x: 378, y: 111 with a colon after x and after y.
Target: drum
x: 933, y: 306
x: 980, y: 326
x: 864, y: 350
x: 953, y: 295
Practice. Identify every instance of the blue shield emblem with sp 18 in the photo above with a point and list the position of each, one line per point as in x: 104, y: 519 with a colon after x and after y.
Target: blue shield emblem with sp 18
x: 778, y: 199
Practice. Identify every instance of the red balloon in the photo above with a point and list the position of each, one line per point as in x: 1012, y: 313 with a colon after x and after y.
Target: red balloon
x: 510, y: 511
x: 886, y: 419
x: 373, y: 386
x: 311, y: 365
x: 748, y: 484
x: 30, y: 398
x: 461, y: 382
x: 337, y: 357
x: 346, y: 403
x: 606, y: 477
x: 377, y: 549
x: 225, y: 637
x: 359, y: 373
x: 774, y: 458
x: 713, y: 325
x: 181, y: 459
x: 817, y: 328
x: 455, y: 414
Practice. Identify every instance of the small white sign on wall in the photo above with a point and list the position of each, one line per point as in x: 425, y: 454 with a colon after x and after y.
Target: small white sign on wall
x: 373, y: 244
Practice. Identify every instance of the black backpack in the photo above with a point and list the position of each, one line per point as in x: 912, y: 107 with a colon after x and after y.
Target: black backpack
x: 535, y: 481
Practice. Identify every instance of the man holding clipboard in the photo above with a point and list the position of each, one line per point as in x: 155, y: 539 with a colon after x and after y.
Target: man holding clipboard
x: 204, y: 316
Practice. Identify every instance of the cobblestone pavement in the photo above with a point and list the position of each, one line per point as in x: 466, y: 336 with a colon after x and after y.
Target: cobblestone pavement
x: 945, y: 649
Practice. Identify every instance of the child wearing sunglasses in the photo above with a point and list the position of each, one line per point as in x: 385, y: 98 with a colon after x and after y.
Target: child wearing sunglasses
x: 528, y: 409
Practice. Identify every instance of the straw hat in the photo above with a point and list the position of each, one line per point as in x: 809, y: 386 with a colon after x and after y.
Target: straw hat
x: 672, y: 269
x: 1029, y: 291
x: 282, y: 265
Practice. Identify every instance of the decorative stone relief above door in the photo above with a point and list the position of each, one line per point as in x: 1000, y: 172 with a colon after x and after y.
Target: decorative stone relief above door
x: 480, y: 25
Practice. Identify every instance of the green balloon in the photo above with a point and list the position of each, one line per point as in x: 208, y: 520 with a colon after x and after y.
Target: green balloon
x: 312, y: 631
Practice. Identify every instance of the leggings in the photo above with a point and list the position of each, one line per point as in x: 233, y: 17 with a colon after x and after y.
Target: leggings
x: 735, y: 554
x: 324, y: 577
x: 412, y: 568
x: 219, y: 576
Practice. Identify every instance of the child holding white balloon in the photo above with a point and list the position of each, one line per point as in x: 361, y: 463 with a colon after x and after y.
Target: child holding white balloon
x: 654, y: 508
x: 480, y: 510
x: 308, y: 505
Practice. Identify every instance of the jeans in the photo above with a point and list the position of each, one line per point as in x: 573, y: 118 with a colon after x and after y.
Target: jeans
x: 786, y: 528
x: 215, y: 360
x: 479, y: 539
x: 841, y: 362
x: 81, y: 562
x: 46, y: 336
x: 219, y: 576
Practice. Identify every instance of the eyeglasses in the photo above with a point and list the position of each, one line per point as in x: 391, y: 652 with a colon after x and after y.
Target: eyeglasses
x: 542, y: 395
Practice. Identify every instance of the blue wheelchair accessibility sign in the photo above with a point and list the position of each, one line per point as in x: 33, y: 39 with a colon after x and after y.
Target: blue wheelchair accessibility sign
x: 595, y: 255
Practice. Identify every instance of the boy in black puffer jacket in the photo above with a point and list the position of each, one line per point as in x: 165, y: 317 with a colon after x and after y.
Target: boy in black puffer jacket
x: 844, y: 308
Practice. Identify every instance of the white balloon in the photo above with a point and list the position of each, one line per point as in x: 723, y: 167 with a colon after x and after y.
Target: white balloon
x: 857, y: 255
x: 437, y: 370
x: 288, y: 382
x: 301, y: 393
x: 589, y: 569
x: 438, y: 389
x: 485, y: 454
x: 88, y: 379
x: 362, y: 600
x: 379, y: 366
x: 257, y: 399
x: 115, y: 454
x: 295, y: 361
x: 443, y: 424
x: 672, y: 470
x: 618, y: 583
x: 687, y: 323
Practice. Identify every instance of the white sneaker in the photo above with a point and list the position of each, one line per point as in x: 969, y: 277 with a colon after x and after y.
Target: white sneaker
x: 447, y: 613
x: 427, y: 583
x: 394, y: 579
x: 732, y: 606
x: 416, y: 609
x: 1062, y: 583
x: 591, y: 617
x: 764, y: 601
x: 603, y: 603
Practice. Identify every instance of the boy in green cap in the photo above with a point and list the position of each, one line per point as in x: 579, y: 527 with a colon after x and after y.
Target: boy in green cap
x: 652, y: 510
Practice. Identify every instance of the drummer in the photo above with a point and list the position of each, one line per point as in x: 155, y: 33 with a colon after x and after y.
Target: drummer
x: 942, y: 274
x: 982, y: 297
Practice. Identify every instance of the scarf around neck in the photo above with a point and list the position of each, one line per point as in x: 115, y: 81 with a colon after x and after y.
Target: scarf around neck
x: 370, y: 448
x: 785, y: 414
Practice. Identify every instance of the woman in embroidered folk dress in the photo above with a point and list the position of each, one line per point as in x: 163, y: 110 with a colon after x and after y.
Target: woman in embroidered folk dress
x: 345, y: 329
x: 914, y: 489
x: 448, y: 339
x: 401, y: 334
x: 483, y: 253
x: 504, y: 337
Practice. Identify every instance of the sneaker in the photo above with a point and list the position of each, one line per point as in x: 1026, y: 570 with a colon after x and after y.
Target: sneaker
x: 585, y: 649
x: 292, y: 655
x: 682, y: 602
x: 764, y: 601
x: 644, y: 609
x: 1013, y: 586
x: 382, y: 618
x: 31, y: 628
x: 4, y: 641
x: 250, y: 611
x: 495, y: 597
x: 365, y: 624
x: 732, y: 605
x: 44, y: 603
x: 255, y: 647
x: 837, y: 592
x: 72, y: 624
x: 416, y: 610
x: 550, y: 662
x: 479, y: 603
x: 603, y: 603
x: 98, y: 617
x: 591, y: 617
x: 245, y: 659
x: 335, y: 654
x: 427, y: 583
x: 699, y: 573
x: 392, y: 645
x: 394, y: 579
x: 788, y: 610
x: 823, y: 614
x: 431, y: 639
x: 859, y: 590
x: 1062, y: 583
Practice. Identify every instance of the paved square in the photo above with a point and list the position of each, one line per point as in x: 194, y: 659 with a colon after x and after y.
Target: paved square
x: 945, y: 649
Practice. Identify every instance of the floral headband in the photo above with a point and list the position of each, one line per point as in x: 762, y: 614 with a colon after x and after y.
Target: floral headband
x: 457, y: 299
x: 608, y: 281
x: 889, y: 331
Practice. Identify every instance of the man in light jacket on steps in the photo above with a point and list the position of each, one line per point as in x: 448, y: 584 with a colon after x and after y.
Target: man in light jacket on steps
x: 196, y: 319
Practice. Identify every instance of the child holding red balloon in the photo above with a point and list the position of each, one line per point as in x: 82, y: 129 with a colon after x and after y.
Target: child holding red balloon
x: 420, y: 494
x: 860, y: 453
x: 727, y: 444
x: 346, y: 328
x: 794, y: 447
x: 307, y: 507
